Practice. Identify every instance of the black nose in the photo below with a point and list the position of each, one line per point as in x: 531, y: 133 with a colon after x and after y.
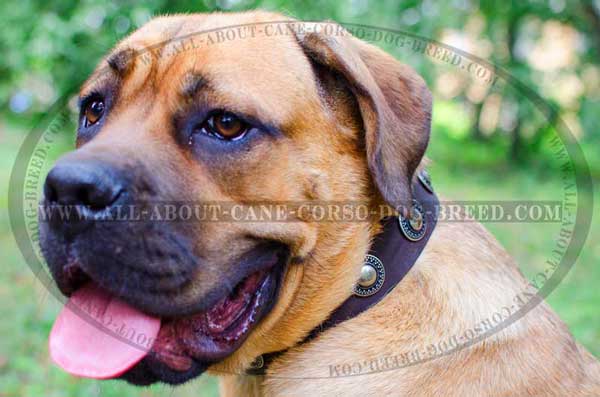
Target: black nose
x: 93, y: 184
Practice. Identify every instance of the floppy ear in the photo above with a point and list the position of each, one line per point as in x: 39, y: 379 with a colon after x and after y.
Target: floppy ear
x: 394, y: 103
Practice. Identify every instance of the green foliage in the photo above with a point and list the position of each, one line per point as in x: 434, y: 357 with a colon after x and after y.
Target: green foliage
x: 48, y: 48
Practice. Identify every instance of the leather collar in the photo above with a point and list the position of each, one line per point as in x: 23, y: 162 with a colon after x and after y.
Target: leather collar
x: 396, y: 249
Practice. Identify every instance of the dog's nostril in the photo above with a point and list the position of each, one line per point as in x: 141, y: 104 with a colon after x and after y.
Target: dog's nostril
x: 82, y: 196
x: 50, y: 193
x: 96, y: 199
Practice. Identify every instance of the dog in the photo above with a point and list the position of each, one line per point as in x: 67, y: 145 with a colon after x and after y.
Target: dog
x: 280, y: 113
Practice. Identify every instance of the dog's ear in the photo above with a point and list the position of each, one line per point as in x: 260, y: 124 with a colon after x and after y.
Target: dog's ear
x: 394, y: 103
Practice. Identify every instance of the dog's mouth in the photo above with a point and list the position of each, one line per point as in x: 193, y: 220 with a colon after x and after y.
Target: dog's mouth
x: 98, y: 335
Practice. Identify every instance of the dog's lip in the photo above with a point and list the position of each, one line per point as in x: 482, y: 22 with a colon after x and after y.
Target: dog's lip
x: 162, y: 302
x: 268, y: 261
x: 184, y: 343
x: 215, y: 333
x: 182, y: 350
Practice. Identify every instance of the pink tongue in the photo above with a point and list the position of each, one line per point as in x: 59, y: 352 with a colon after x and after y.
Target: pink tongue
x: 99, y: 336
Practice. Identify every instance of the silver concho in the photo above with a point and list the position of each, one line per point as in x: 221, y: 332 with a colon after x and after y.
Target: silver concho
x: 258, y: 363
x: 415, y: 226
x: 425, y: 180
x: 372, y: 276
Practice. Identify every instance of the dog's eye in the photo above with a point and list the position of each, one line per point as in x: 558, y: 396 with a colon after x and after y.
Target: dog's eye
x: 224, y: 125
x: 93, y: 112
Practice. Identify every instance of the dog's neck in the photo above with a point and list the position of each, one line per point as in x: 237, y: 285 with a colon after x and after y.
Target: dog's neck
x: 393, y: 253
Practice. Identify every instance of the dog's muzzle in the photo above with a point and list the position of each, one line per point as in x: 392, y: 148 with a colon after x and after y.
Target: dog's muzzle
x: 131, y: 313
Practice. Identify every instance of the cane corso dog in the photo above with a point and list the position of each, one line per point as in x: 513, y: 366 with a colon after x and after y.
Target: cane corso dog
x: 254, y: 107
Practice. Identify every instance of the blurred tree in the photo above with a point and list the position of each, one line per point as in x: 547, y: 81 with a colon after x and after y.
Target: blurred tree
x: 47, y: 47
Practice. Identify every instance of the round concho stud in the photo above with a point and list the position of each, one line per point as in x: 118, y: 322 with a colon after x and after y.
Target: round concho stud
x: 372, y: 276
x: 258, y: 363
x: 415, y: 226
x: 425, y: 180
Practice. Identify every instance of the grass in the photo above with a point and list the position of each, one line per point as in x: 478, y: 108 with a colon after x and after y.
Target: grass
x: 459, y: 172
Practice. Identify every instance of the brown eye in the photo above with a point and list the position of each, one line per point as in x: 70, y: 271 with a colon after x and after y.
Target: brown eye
x: 227, y: 126
x: 93, y: 112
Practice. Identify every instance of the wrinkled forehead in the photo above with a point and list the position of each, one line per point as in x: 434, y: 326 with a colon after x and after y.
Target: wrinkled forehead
x: 256, y: 66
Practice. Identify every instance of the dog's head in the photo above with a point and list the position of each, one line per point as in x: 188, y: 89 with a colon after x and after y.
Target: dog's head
x: 231, y: 109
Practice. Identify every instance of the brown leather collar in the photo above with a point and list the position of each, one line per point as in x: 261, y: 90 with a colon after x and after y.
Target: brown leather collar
x: 397, y: 248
